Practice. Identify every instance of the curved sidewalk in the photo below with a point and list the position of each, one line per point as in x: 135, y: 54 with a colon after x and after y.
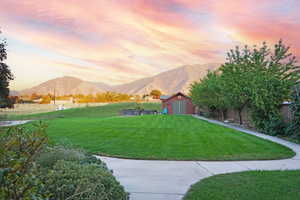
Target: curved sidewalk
x: 170, y: 180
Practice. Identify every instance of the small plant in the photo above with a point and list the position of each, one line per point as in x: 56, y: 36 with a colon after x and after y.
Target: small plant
x: 139, y: 106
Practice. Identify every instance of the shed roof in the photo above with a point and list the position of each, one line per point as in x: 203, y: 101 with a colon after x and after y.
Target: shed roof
x: 166, y: 97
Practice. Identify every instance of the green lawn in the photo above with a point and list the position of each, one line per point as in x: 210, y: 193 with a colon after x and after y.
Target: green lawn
x: 101, y: 130
x: 253, y: 185
x: 161, y: 137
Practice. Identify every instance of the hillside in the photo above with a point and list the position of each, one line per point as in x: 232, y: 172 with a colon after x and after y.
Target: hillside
x: 168, y: 82
x: 64, y: 86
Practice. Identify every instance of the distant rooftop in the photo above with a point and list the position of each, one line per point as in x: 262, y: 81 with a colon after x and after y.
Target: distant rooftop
x: 163, y: 97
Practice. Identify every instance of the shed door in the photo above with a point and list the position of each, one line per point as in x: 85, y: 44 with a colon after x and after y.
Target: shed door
x: 179, y: 107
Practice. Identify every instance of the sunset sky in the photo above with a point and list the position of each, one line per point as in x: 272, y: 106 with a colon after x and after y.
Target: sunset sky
x: 118, y: 41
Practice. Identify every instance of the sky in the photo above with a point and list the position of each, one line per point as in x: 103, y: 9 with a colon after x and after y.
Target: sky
x: 119, y: 41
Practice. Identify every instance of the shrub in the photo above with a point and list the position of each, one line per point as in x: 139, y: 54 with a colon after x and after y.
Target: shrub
x: 18, y: 149
x: 48, y: 158
x: 274, y: 125
x: 69, y: 173
x: 30, y: 169
x: 71, y: 180
x: 293, y: 129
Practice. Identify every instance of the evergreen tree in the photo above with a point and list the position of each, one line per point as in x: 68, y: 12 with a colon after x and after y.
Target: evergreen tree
x: 5, y: 77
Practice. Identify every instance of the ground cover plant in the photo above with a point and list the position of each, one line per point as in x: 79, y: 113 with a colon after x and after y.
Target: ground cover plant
x: 266, y: 185
x: 162, y: 137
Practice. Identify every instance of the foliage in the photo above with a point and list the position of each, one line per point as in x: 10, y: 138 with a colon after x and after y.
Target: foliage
x: 48, y: 158
x: 156, y: 94
x: 258, y: 78
x: 139, y: 106
x: 31, y: 169
x: 102, y: 97
x: 68, y: 173
x: 89, y: 182
x: 79, y: 98
x: 46, y: 99
x: 273, y: 124
x: 209, y: 92
x: 18, y: 149
x: 5, y: 77
x: 293, y: 128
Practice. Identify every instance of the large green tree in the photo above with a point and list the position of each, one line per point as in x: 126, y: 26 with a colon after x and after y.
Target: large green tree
x: 5, y: 76
x: 261, y: 78
x: 209, y: 93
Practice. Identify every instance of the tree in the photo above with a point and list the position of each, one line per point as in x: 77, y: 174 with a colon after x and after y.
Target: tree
x: 260, y: 78
x: 237, y: 74
x: 5, y: 76
x: 156, y: 94
x: 46, y: 99
x: 209, y: 92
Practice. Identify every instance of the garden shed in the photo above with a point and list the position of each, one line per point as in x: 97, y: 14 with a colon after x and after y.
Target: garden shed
x: 178, y: 103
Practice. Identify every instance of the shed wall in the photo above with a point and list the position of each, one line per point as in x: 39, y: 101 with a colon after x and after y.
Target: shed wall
x: 190, y: 109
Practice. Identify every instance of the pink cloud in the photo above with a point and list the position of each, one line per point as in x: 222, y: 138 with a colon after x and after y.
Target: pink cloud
x: 130, y: 39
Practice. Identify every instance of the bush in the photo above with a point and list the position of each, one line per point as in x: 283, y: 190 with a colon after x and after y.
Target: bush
x: 31, y: 169
x: 271, y: 124
x: 71, y: 180
x: 18, y: 150
x: 72, y: 174
x: 48, y: 158
x: 274, y: 126
x: 293, y: 129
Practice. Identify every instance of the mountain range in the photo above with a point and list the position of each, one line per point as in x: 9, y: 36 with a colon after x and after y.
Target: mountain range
x: 168, y: 82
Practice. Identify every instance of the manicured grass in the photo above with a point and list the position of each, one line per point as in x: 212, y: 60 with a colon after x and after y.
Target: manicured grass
x: 160, y: 137
x: 253, y: 185
x: 90, y: 112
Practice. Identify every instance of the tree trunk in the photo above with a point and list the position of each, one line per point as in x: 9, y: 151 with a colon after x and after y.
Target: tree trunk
x: 240, y: 116
x: 223, y: 113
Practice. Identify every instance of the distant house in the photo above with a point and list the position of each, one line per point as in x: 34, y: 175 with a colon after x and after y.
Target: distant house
x: 178, y: 103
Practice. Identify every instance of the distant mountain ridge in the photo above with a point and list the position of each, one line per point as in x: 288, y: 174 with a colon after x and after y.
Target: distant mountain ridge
x: 168, y: 82
x: 64, y: 86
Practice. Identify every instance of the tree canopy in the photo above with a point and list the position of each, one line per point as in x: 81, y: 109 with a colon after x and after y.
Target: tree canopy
x: 210, y: 93
x: 260, y: 78
x: 156, y: 94
x: 5, y: 76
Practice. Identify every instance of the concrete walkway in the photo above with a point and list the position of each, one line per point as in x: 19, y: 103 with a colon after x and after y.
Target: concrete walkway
x: 13, y: 123
x: 170, y: 180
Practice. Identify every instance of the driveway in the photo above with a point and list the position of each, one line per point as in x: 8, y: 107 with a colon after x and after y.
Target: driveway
x: 170, y: 180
